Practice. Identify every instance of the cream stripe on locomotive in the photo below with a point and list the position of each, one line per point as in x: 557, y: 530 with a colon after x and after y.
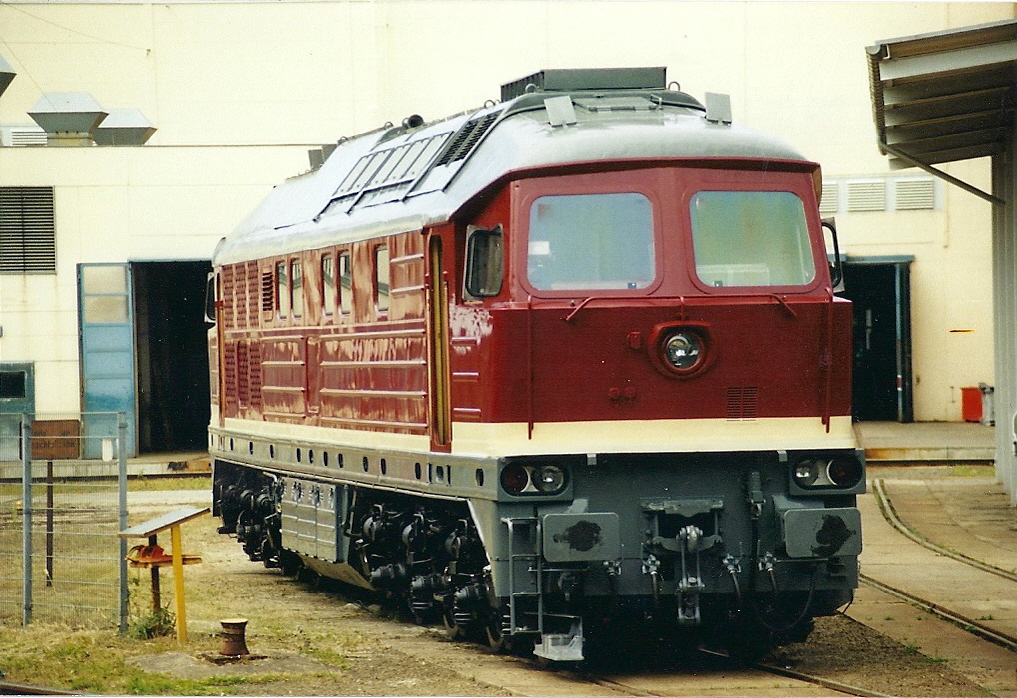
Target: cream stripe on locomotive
x: 661, y: 436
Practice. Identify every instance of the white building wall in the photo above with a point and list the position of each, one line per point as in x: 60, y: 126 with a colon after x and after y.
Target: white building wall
x: 239, y: 91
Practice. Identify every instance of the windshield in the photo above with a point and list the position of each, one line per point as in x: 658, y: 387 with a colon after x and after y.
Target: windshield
x: 751, y: 238
x: 591, y: 241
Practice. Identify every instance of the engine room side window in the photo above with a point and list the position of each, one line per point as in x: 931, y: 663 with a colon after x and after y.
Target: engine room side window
x: 296, y: 288
x: 751, y: 238
x: 345, y: 287
x: 328, y: 295
x: 282, y: 290
x: 381, y: 279
x: 591, y: 241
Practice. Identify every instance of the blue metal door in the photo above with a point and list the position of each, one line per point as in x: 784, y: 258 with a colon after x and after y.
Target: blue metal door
x: 17, y: 397
x: 107, y: 355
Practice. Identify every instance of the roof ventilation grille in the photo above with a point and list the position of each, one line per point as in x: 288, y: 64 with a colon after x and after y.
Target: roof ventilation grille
x: 573, y: 79
x: 466, y: 138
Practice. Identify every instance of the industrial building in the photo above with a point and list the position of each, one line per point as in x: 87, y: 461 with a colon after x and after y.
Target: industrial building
x: 135, y: 135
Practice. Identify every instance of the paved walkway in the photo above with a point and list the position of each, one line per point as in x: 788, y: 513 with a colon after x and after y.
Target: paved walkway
x: 961, y: 509
x: 927, y: 442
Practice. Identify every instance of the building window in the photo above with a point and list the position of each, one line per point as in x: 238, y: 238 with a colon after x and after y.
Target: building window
x: 13, y: 385
x: 27, y: 232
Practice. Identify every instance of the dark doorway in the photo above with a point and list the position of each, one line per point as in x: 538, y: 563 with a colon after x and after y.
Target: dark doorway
x: 172, y: 355
x: 880, y: 291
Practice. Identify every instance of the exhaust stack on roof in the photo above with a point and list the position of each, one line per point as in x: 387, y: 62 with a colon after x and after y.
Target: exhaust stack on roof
x: 124, y: 127
x: 69, y: 118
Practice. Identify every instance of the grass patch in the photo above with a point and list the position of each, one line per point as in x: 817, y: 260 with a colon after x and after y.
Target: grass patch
x: 54, y: 656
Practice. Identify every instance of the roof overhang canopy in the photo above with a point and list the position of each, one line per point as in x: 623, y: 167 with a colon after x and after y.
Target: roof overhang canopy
x: 945, y: 96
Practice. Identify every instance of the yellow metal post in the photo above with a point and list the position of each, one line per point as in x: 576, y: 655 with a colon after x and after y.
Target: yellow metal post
x: 178, y: 584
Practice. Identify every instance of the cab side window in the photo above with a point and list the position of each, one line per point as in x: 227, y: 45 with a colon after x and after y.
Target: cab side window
x: 485, y: 262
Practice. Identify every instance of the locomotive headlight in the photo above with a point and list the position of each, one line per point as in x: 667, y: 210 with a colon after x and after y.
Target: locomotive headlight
x: 806, y: 473
x: 515, y: 479
x: 549, y: 479
x: 683, y: 350
x: 539, y: 476
x: 844, y: 471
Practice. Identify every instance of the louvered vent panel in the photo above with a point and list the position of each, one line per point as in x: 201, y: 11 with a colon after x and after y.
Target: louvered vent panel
x: 229, y: 290
x: 243, y: 373
x: 915, y: 194
x: 469, y: 135
x: 230, y: 378
x: 254, y: 373
x: 253, y: 294
x: 27, y: 232
x: 742, y: 403
x: 866, y: 196
x: 267, y: 292
x: 831, y: 198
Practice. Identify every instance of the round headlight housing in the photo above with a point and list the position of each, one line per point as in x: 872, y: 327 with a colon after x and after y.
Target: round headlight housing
x: 844, y: 471
x: 806, y: 472
x: 683, y: 350
x: 549, y: 479
x: 515, y: 478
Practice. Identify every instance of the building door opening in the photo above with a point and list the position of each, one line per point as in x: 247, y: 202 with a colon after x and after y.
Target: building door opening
x: 881, y: 292
x: 172, y: 355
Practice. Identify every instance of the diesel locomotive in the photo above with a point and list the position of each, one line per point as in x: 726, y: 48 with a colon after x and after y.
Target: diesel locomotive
x: 569, y: 362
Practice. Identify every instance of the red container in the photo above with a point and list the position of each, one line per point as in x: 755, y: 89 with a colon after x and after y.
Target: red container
x: 971, y: 404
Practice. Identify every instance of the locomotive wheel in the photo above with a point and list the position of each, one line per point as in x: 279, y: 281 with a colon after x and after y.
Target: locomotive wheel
x: 496, y: 639
x: 453, y: 630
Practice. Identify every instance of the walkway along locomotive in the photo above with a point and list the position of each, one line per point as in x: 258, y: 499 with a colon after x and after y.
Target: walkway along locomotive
x: 569, y: 361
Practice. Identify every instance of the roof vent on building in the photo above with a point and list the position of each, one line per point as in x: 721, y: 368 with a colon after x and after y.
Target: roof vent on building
x: 124, y: 127
x: 6, y: 74
x: 69, y: 118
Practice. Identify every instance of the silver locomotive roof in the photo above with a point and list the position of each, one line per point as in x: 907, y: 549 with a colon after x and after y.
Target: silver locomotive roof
x: 415, y: 175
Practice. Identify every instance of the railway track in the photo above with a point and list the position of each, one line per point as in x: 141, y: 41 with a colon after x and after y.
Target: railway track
x: 972, y: 625
x: 9, y: 688
x: 640, y: 682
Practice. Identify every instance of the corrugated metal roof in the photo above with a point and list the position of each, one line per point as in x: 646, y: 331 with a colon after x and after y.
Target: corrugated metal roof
x: 945, y: 96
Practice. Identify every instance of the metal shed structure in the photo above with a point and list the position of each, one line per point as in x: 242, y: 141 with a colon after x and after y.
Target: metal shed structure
x: 949, y: 96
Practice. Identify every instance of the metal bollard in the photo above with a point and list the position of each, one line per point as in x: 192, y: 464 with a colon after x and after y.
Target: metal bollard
x: 234, y: 644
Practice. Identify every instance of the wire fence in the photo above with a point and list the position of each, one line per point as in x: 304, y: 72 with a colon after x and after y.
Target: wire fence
x: 61, y: 559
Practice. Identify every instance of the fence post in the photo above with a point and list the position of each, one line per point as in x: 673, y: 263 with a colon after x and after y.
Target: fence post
x: 122, y: 487
x: 26, y: 518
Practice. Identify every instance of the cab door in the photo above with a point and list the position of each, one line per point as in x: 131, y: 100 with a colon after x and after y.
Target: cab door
x: 439, y: 419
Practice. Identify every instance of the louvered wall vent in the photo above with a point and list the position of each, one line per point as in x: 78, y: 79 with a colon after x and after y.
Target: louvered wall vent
x: 20, y: 136
x: 859, y: 195
x: 27, y: 233
x: 866, y: 196
x: 915, y: 194
x: 831, y: 198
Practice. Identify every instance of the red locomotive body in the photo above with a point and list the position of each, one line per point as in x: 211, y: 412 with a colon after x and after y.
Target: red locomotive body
x: 573, y: 353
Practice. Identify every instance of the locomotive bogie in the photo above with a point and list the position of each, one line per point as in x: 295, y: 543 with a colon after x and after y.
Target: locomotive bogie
x: 570, y: 360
